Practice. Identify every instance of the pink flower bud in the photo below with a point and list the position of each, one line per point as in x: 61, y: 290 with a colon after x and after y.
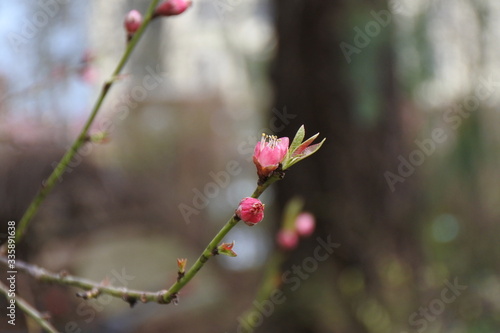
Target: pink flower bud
x: 250, y: 211
x: 133, y: 21
x: 269, y: 153
x: 172, y: 7
x: 287, y: 239
x: 304, y: 224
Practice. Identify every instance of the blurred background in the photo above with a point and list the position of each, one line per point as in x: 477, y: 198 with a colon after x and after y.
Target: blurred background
x: 406, y: 93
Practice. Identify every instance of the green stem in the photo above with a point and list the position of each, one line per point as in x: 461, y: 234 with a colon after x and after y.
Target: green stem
x: 29, y: 310
x: 132, y: 296
x: 209, y: 251
x: 83, y: 136
x: 262, y: 187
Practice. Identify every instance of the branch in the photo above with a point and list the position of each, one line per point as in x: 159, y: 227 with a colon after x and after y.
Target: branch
x: 171, y: 295
x: 29, y: 310
x: 83, y: 136
x: 211, y: 249
x: 93, y: 289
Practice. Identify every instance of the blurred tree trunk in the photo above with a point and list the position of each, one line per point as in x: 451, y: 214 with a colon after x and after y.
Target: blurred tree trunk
x: 351, y: 99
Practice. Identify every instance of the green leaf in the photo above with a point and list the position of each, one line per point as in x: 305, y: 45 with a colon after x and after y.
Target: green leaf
x: 306, y: 153
x: 312, y: 149
x: 305, y: 144
x: 297, y: 140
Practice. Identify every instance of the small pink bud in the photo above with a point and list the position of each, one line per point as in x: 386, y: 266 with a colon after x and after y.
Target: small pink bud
x: 305, y: 224
x: 133, y: 21
x: 287, y: 239
x: 250, y: 211
x: 172, y: 7
x: 269, y: 153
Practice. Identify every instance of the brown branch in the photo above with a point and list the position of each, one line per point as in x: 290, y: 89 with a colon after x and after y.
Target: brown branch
x: 92, y: 289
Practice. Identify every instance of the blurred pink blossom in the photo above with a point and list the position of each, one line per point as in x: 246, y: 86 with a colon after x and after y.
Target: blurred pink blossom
x: 287, y: 239
x: 305, y: 224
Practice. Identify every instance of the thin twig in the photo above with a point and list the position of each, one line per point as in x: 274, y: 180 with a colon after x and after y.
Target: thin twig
x: 83, y: 136
x: 212, y: 246
x: 94, y: 289
x: 29, y: 310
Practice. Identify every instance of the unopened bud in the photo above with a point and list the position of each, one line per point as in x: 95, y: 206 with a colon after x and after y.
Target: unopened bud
x: 133, y: 21
x: 250, y: 211
x: 172, y: 7
x: 181, y: 265
x: 226, y: 249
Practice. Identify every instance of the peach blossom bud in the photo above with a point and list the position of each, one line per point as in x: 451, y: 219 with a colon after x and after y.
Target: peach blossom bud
x: 250, y: 211
x: 133, y: 21
x: 287, y: 239
x: 181, y: 265
x: 269, y: 153
x: 305, y: 224
x: 172, y: 7
x: 226, y: 249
